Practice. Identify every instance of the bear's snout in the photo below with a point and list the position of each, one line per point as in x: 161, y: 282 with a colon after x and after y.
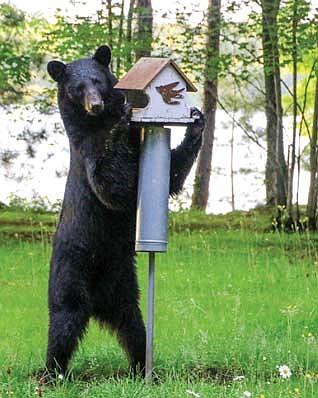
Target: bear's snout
x: 97, y: 108
x: 94, y: 103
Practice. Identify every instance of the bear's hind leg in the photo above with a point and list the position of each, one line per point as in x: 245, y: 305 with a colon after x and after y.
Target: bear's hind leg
x: 65, y: 330
x: 131, y: 335
x: 127, y: 323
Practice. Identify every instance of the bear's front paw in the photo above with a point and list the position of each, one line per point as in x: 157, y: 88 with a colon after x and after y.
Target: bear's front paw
x: 126, y: 113
x: 197, y: 127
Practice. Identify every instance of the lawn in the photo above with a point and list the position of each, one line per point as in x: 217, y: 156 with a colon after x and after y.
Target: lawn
x: 231, y: 306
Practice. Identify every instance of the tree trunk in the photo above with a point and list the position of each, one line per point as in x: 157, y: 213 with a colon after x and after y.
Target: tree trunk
x: 203, y: 170
x: 232, y: 165
x: 292, y: 153
x: 275, y: 173
x: 144, y: 30
x: 110, y: 22
x: 129, y: 32
x: 120, y: 37
x: 313, y: 187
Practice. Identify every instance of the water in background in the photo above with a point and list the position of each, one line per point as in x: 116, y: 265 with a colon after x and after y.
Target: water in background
x: 45, y: 173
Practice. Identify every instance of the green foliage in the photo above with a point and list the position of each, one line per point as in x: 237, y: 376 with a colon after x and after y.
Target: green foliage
x: 296, y: 13
x: 305, y: 50
x: 307, y: 72
x: 187, y: 42
x: 37, y: 204
x: 20, y: 56
x: 70, y: 38
x: 26, y: 42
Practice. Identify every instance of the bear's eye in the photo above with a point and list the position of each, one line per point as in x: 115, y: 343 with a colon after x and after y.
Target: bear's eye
x: 80, y: 88
x: 96, y: 81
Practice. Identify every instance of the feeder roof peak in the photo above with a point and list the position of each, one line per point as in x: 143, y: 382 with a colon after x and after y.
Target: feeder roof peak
x: 146, y: 70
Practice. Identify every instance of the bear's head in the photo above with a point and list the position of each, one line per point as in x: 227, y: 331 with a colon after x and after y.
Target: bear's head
x: 86, y: 83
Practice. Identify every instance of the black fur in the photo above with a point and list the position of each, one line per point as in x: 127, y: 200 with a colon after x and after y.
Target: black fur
x: 93, y: 262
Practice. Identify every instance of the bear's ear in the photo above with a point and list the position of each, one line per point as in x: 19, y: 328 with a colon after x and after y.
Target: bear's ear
x: 103, y: 55
x: 56, y: 70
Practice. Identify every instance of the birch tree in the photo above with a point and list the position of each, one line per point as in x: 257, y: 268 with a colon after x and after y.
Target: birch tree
x: 203, y: 169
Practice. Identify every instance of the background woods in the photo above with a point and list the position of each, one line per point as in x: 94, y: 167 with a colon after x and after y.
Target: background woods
x: 250, y: 59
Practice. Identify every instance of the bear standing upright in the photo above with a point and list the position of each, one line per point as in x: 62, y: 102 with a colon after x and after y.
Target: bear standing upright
x: 92, y: 270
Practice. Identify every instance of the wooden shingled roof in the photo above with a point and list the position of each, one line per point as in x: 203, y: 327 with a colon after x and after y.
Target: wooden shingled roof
x: 145, y: 70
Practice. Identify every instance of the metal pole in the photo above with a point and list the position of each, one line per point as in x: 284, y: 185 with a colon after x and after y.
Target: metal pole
x: 150, y: 317
x: 152, y: 214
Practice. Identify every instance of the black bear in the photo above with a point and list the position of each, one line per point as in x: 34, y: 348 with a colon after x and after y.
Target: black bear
x: 92, y: 270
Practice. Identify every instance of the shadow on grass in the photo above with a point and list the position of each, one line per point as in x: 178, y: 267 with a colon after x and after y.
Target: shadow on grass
x: 219, y: 375
x: 213, y: 374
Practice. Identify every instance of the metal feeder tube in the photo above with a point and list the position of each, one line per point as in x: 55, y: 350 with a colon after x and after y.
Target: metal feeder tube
x: 153, y: 190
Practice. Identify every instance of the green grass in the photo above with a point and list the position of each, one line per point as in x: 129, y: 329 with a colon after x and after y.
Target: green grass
x: 228, y: 303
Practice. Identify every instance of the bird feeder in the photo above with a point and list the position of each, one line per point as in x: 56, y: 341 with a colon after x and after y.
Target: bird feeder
x: 158, y: 91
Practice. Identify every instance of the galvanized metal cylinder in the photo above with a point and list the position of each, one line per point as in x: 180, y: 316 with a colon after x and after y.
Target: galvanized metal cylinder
x: 153, y: 190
